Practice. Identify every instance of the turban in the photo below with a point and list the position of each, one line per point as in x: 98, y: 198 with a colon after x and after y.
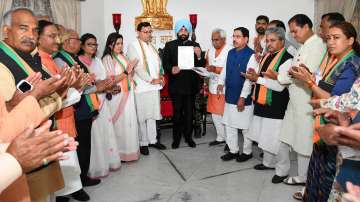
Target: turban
x: 183, y: 23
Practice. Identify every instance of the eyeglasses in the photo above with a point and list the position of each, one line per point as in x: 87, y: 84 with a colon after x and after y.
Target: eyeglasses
x: 92, y: 44
x: 237, y: 36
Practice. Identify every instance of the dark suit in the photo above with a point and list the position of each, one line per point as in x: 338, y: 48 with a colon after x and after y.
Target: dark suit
x: 182, y: 88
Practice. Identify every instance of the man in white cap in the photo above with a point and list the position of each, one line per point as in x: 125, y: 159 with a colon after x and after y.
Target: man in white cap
x: 183, y: 84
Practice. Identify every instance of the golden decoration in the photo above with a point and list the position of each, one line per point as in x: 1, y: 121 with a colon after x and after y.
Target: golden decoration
x: 154, y: 12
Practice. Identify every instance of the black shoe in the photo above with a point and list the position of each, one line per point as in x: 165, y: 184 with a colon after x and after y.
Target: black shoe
x: 144, y: 150
x: 226, y: 148
x: 278, y: 179
x: 262, y: 167
x: 215, y: 142
x: 62, y: 199
x: 197, y: 132
x: 158, y: 146
x: 87, y: 182
x: 175, y: 145
x: 229, y: 156
x: 191, y: 143
x: 80, y: 195
x: 244, y: 157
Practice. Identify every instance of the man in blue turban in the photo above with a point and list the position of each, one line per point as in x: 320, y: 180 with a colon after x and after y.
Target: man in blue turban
x: 183, y: 84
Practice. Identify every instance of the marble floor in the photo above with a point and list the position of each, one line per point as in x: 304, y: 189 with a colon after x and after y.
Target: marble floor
x: 191, y: 175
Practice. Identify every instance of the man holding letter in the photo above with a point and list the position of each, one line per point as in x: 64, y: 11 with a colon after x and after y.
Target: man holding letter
x: 183, y: 83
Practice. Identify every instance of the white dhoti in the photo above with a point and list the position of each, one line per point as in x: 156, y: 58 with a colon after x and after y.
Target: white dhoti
x: 70, y: 169
x: 234, y: 120
x: 148, y: 111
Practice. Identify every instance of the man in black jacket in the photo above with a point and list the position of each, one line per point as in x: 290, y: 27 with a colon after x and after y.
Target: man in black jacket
x: 183, y: 84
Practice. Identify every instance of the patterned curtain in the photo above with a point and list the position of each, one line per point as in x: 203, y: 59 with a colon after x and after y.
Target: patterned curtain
x: 345, y: 7
x: 64, y: 12
x: 5, y: 5
x: 39, y: 7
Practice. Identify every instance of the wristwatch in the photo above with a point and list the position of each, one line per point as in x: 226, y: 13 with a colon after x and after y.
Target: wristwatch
x: 126, y: 73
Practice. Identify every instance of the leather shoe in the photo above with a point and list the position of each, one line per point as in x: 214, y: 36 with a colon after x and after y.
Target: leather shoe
x: 244, y: 157
x: 215, y: 142
x: 175, y: 145
x: 158, y: 146
x: 262, y: 167
x: 191, y: 143
x: 278, y: 179
x: 87, y: 182
x: 62, y: 199
x: 229, y: 156
x: 80, y: 195
x: 144, y: 150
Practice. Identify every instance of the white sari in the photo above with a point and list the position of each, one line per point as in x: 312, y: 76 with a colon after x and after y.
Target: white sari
x: 123, y: 110
x: 104, y: 150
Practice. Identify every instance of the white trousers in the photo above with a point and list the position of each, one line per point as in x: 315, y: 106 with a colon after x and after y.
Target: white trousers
x: 247, y: 145
x: 284, y: 158
x: 232, y: 138
x: 273, y: 161
x: 147, y: 132
x: 219, y: 127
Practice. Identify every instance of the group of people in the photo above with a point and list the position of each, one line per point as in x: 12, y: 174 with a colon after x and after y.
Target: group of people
x: 109, y: 105
x: 76, y: 116
x: 286, y: 98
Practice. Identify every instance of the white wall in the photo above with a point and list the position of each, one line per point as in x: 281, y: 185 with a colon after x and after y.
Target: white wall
x: 227, y: 14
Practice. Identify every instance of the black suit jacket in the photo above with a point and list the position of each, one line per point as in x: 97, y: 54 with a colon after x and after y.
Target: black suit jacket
x: 186, y: 81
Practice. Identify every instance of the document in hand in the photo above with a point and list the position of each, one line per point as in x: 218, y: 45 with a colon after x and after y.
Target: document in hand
x: 202, y: 71
x: 186, y: 57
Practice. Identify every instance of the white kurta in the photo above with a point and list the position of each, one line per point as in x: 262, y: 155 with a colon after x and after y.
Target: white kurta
x: 232, y: 117
x: 219, y: 61
x: 297, y: 128
x: 123, y: 114
x: 104, y: 150
x: 147, y: 95
x: 266, y: 131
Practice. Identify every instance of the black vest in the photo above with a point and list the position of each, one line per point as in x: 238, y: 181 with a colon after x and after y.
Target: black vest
x: 279, y: 99
x: 33, y: 61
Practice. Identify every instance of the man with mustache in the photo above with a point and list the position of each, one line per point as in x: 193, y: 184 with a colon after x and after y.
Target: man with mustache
x: 238, y: 108
x: 183, y: 84
x: 20, y: 61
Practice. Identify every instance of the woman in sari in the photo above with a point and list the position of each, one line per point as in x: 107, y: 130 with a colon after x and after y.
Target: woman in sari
x: 122, y: 104
x: 104, y: 150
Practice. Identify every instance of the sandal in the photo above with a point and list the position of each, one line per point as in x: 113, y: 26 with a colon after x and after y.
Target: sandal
x: 298, y: 195
x: 293, y: 181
